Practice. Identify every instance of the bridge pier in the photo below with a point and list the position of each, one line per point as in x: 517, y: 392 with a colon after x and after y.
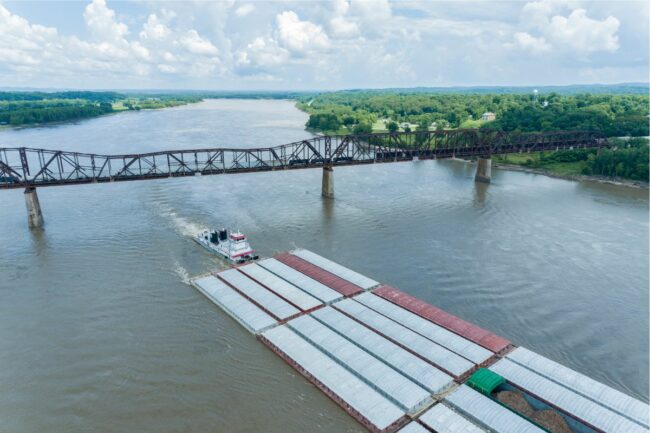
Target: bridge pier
x: 34, y: 214
x: 328, y: 182
x: 484, y: 170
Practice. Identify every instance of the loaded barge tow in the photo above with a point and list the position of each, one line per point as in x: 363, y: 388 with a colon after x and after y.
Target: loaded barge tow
x: 396, y: 363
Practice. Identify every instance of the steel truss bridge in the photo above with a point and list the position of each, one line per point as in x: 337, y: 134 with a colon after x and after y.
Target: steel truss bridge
x: 30, y: 168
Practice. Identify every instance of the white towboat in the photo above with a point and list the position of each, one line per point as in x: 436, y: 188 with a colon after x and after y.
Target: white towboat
x: 231, y: 245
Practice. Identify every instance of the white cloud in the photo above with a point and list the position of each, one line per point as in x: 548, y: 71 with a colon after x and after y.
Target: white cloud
x: 576, y: 33
x: 262, y: 52
x: 583, y: 34
x: 527, y: 42
x: 154, y: 30
x: 244, y: 9
x: 343, y: 28
x: 300, y: 36
x: 197, y: 45
x: 343, y: 43
x: 101, y: 22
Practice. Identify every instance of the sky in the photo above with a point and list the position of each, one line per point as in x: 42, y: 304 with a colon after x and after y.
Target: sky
x: 317, y: 45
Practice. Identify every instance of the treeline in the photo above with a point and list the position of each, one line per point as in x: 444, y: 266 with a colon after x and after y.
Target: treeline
x: 48, y: 114
x: 618, y: 115
x: 626, y: 158
x: 614, y: 118
x: 82, y: 95
x: 29, y: 108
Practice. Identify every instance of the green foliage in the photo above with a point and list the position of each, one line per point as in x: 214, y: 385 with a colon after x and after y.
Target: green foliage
x: 28, y: 108
x: 362, y: 128
x: 627, y: 159
x: 46, y: 114
x: 627, y: 162
x: 611, y: 114
x: 392, y: 126
x: 324, y: 122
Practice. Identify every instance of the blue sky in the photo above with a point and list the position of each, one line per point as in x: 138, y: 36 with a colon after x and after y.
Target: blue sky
x: 102, y: 44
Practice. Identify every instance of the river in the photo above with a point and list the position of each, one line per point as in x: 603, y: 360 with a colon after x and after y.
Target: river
x: 100, y: 332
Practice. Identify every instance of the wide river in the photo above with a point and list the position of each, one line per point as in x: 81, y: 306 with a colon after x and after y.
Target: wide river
x: 100, y: 331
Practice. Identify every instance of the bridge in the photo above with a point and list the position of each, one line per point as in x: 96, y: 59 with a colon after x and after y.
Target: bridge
x: 30, y: 168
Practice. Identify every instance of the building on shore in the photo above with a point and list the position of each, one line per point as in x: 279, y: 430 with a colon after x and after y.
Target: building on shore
x: 488, y: 116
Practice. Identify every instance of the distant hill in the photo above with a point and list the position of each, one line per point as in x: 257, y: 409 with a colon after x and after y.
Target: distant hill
x: 618, y: 89
x: 574, y: 89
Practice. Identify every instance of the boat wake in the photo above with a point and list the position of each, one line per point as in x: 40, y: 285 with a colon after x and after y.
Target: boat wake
x: 180, y: 224
x: 182, y: 273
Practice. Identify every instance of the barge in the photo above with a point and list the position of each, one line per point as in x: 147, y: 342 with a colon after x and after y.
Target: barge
x: 397, y: 363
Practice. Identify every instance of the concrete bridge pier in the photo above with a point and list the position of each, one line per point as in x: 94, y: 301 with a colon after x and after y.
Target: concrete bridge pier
x: 328, y: 182
x: 34, y: 214
x: 484, y: 170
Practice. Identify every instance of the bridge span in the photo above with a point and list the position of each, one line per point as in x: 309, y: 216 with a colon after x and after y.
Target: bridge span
x: 30, y: 168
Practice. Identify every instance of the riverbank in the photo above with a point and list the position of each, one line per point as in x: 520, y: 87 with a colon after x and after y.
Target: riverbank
x: 575, y: 177
x: 27, y: 109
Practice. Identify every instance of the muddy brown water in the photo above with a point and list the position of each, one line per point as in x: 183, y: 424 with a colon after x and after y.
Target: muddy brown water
x: 100, y: 332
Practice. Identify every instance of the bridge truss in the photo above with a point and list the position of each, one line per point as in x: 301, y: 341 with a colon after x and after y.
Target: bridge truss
x: 29, y: 168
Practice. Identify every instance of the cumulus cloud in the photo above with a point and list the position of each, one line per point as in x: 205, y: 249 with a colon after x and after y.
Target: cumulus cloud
x: 527, y: 42
x: 342, y: 43
x: 111, y: 49
x: 101, y: 22
x: 583, y: 34
x: 197, y: 45
x: 154, y: 30
x: 576, y: 33
x: 244, y: 9
x: 300, y: 36
x: 262, y: 52
x: 343, y: 28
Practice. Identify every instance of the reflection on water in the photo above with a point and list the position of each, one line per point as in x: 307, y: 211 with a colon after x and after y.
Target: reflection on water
x: 99, y: 330
x: 480, y: 192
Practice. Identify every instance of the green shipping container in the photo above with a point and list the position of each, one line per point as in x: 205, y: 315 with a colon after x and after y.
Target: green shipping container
x: 485, y: 381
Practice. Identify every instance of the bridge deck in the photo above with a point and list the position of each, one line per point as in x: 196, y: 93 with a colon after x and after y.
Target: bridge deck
x: 392, y: 361
x: 26, y: 167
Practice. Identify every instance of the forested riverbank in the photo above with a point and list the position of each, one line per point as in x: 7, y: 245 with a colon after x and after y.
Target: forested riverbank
x: 612, y: 115
x: 35, y: 108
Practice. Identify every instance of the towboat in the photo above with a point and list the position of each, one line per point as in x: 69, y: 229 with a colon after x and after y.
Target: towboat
x: 231, y: 245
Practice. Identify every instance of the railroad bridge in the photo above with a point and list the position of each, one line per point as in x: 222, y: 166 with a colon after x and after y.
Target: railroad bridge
x: 30, y: 168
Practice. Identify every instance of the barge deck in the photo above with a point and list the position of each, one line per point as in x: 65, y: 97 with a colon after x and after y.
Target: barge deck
x: 397, y: 363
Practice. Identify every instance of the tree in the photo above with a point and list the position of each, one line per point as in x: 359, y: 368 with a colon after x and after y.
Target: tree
x: 392, y: 126
x: 362, y: 128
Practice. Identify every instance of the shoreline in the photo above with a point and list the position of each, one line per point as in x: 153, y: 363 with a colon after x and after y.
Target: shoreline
x: 81, y: 119
x: 581, y: 177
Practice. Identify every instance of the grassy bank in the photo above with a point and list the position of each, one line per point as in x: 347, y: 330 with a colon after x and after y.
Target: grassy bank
x: 624, y: 159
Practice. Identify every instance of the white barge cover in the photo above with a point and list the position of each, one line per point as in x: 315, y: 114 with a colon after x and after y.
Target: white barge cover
x: 489, y: 413
x: 426, y: 328
x: 440, y: 418
x: 416, y: 369
x: 340, y: 384
x: 298, y: 279
x: 409, y: 396
x: 599, y: 393
x: 239, y: 308
x: 412, y: 341
x: 336, y: 269
x: 269, y: 301
x: 414, y: 427
x: 288, y: 291
x: 580, y: 407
